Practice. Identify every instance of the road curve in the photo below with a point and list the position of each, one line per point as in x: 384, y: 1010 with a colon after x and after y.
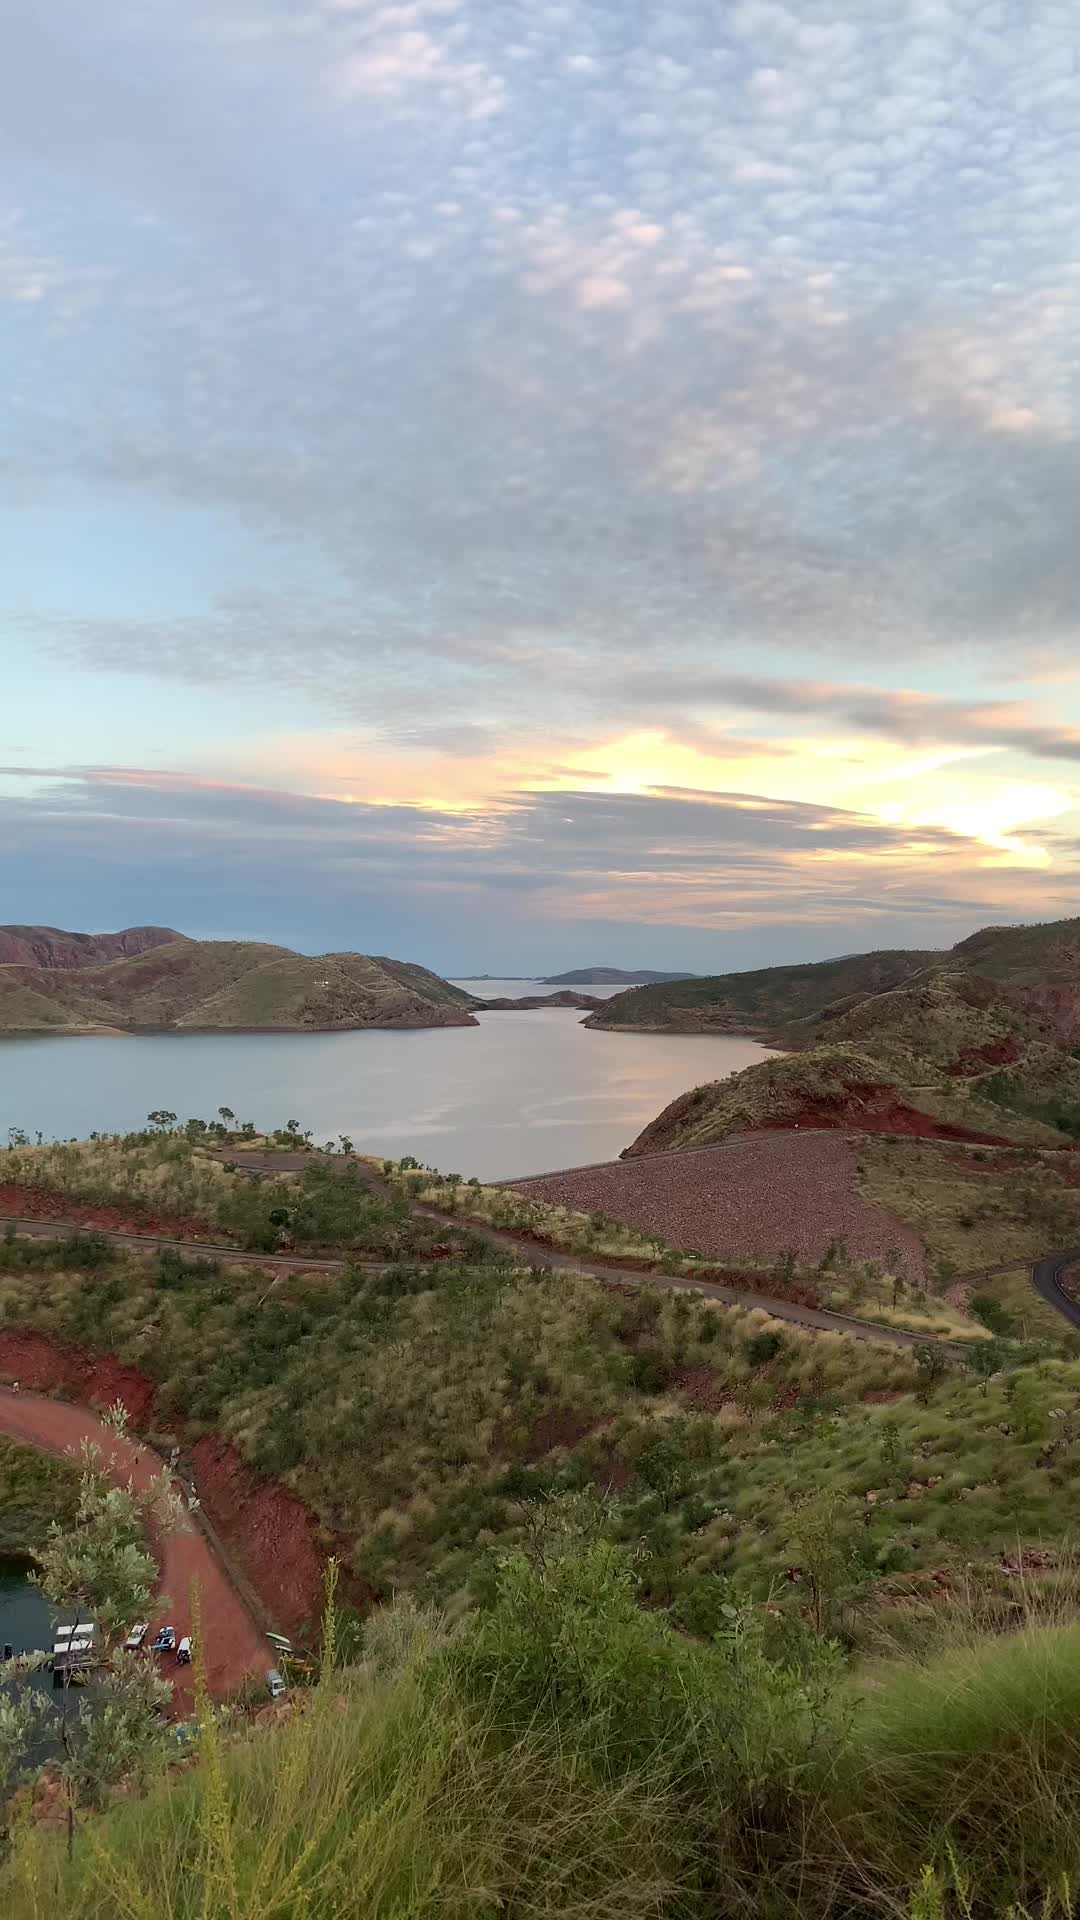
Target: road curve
x: 234, y: 1645
x: 1046, y: 1278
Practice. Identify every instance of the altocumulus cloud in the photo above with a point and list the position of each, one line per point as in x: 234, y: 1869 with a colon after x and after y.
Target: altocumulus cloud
x: 537, y: 370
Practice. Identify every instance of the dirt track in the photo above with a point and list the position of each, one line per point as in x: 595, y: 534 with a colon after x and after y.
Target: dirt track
x: 234, y: 1645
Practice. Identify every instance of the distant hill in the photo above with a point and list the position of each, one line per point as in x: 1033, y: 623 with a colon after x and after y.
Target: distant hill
x: 227, y: 985
x: 609, y: 977
x: 761, y: 1004
x: 889, y: 1042
x: 52, y: 947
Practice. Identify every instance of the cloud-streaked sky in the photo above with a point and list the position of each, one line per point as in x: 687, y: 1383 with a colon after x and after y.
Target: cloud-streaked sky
x: 512, y: 484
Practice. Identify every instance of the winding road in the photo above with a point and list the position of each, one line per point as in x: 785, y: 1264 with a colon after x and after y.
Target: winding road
x: 235, y: 1647
x: 544, y: 1258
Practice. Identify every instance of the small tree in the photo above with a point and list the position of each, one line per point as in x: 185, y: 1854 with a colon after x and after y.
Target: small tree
x: 226, y: 1116
x: 931, y: 1366
x: 162, y: 1119
x: 822, y: 1534
x: 99, y: 1568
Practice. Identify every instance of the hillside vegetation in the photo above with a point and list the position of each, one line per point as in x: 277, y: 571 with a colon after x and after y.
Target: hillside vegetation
x: 1031, y: 974
x: 563, y: 1755
x: 670, y: 1610
x: 946, y: 1051
x: 221, y: 985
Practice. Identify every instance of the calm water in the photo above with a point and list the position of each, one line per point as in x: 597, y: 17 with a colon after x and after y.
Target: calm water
x: 520, y: 1093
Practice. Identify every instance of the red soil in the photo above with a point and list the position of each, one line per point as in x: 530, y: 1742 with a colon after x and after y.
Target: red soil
x: 277, y: 1542
x: 42, y: 1203
x: 234, y: 1645
x: 96, y: 1380
x: 876, y: 1111
x: 995, y: 1053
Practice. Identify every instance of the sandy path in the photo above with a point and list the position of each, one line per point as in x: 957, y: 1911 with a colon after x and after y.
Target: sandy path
x: 234, y: 1645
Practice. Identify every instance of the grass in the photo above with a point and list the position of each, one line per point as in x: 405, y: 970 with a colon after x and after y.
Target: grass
x: 561, y: 1753
x: 973, y: 1207
x: 174, y: 1177
x: 34, y: 1489
x: 964, y: 1770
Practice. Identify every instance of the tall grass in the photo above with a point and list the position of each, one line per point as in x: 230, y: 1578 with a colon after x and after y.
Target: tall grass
x: 392, y: 1796
x: 966, y: 1765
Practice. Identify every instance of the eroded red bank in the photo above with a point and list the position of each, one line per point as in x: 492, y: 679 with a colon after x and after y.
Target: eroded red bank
x: 19, y: 1202
x: 875, y: 1112
x: 277, y: 1543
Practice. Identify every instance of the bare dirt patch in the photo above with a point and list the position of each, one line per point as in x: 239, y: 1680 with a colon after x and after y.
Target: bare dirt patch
x: 277, y: 1540
x: 234, y: 1646
x: 277, y: 1543
x: 879, y: 1112
x: 751, y: 1198
x: 43, y: 1365
x: 18, y: 1202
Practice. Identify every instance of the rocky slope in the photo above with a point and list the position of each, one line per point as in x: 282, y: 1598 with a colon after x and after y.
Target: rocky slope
x: 54, y: 947
x: 832, y: 1087
x: 229, y: 985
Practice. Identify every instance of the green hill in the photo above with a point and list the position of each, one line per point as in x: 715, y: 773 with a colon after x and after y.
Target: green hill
x: 762, y: 1003
x: 1034, y: 971
x: 654, y: 1609
x: 228, y: 985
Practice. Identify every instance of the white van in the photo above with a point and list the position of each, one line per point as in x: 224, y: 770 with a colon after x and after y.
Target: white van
x: 275, y: 1685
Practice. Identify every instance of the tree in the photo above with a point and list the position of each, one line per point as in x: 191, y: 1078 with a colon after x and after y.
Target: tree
x: 162, y: 1119
x: 822, y: 1535
x: 226, y: 1115
x: 931, y: 1366
x: 984, y: 1360
x: 99, y: 1568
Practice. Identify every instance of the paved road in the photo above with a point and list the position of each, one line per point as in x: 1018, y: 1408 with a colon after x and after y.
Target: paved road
x: 1045, y: 1275
x: 234, y: 1645
x: 543, y: 1258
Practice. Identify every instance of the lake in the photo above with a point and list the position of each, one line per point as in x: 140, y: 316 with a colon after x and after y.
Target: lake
x: 520, y: 1093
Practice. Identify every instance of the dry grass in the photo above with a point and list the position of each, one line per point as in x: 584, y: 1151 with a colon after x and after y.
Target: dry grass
x: 972, y: 1207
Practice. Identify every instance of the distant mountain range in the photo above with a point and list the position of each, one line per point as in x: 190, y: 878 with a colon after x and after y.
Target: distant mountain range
x: 610, y: 977
x: 155, y: 979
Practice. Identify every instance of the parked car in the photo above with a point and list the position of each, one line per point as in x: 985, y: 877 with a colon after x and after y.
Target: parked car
x: 183, y: 1652
x: 275, y: 1685
x: 165, y: 1641
x: 136, y: 1637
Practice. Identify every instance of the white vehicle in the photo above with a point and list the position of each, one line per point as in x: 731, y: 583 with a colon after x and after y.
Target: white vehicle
x: 183, y: 1652
x: 136, y: 1637
x: 275, y: 1685
x: 165, y: 1641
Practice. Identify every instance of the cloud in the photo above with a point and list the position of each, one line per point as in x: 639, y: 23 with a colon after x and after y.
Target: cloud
x: 538, y: 373
x: 716, y: 862
x: 717, y: 337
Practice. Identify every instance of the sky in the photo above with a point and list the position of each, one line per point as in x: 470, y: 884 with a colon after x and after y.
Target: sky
x: 525, y: 485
